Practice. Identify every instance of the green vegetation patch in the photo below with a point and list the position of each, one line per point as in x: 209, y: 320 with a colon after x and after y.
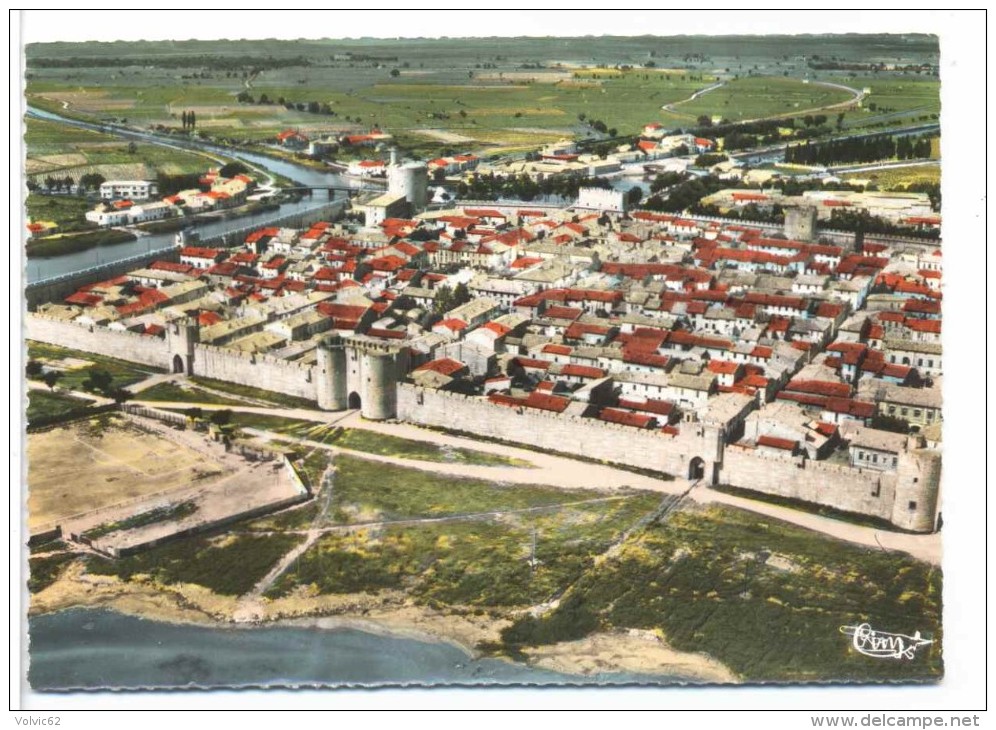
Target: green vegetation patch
x: 396, y: 492
x: 246, y: 391
x: 122, y: 373
x: 66, y: 211
x: 387, y: 445
x: 372, y: 442
x: 174, y: 512
x: 482, y: 563
x: 61, y: 245
x: 229, y: 565
x: 44, y: 571
x: 46, y: 404
x: 173, y: 393
x: 757, y: 97
x: 765, y: 598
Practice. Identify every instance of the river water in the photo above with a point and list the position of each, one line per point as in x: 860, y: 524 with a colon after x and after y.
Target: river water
x: 95, y: 648
x: 38, y: 269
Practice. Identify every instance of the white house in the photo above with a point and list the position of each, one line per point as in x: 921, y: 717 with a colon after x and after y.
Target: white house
x: 131, y: 189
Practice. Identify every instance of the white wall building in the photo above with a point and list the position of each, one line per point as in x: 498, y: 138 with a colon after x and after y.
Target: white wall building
x: 130, y: 189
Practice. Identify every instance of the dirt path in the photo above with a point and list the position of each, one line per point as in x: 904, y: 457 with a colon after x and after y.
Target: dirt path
x: 549, y: 469
x: 922, y: 547
x: 564, y: 472
x: 858, y: 96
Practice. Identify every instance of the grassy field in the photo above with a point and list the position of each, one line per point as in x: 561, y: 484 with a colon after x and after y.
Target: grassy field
x: 893, y: 101
x: 44, y: 571
x: 898, y: 178
x: 80, y: 364
x: 501, y: 94
x: 171, y: 392
x: 758, y: 97
x: 374, y: 490
x: 370, y: 442
x: 43, y: 404
x: 61, y: 150
x: 61, y: 244
x: 482, y: 563
x: 229, y: 565
x: 66, y: 211
x: 766, y: 598
x: 246, y: 391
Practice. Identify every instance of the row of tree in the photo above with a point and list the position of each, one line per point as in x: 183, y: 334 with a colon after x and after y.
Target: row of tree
x: 523, y: 187
x: 255, y: 64
x: 863, y: 149
x: 685, y: 195
x: 88, y: 181
x: 189, y: 120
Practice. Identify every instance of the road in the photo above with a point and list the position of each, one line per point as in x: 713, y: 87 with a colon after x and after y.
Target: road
x: 568, y: 473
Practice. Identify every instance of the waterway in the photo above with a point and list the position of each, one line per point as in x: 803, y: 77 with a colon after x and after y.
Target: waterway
x: 38, y: 269
x: 91, y: 649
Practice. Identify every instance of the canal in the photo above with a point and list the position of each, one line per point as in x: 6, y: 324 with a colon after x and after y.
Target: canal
x: 44, y: 268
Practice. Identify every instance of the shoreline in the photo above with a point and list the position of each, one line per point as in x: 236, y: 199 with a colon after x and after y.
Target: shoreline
x: 388, y: 614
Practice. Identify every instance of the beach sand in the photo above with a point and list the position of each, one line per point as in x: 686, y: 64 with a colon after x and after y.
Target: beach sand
x: 384, y: 613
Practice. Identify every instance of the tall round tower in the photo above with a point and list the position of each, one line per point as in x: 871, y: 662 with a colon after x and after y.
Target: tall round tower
x: 410, y: 180
x: 381, y: 399
x: 918, y: 484
x: 331, y: 374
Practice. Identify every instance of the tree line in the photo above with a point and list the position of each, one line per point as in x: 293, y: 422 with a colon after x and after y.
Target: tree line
x: 863, y: 149
x: 523, y: 187
x: 254, y: 63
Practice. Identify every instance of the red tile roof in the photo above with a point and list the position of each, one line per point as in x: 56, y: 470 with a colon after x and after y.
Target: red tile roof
x: 777, y: 443
x: 443, y: 366
x: 626, y: 418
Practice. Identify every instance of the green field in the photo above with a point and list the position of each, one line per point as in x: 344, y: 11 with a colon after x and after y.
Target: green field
x: 123, y: 373
x: 46, y: 404
x: 173, y: 393
x: 60, y: 150
x: 766, y: 598
x: 266, y: 396
x: 388, y: 492
x: 66, y: 211
x: 368, y: 441
x: 483, y: 563
x: 485, y: 94
x: 758, y: 97
x: 228, y: 565
x: 894, y: 101
x: 898, y: 178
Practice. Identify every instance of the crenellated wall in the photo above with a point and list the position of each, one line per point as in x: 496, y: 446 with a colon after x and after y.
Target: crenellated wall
x: 258, y: 371
x: 864, y: 491
x: 144, y: 349
x: 367, y: 371
x: 557, y: 432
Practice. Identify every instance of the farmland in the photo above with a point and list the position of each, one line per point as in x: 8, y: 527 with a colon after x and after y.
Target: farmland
x: 485, y: 94
x: 58, y: 149
x: 759, y: 97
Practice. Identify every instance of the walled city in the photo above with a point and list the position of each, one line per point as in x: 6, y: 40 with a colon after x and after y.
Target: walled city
x: 773, y: 359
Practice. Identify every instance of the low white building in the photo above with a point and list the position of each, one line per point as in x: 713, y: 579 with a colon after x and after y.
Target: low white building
x: 130, y: 189
x: 602, y: 199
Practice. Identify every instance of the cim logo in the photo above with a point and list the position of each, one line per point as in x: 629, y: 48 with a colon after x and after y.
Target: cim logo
x: 882, y: 644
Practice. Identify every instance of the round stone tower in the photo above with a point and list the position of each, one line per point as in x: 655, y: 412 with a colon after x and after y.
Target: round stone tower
x: 331, y: 374
x: 380, y: 402
x: 918, y: 483
x: 412, y: 181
